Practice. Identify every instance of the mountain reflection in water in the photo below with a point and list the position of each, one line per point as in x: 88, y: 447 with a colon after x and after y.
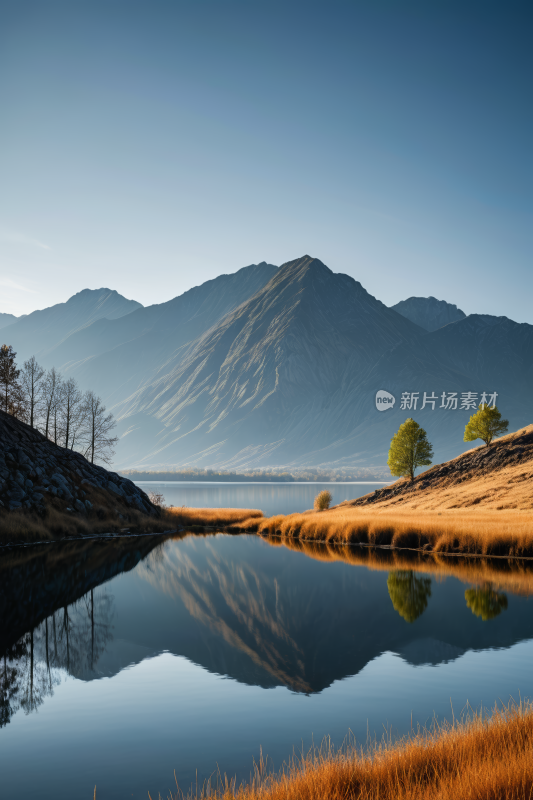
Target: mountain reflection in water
x: 126, y: 659
x: 232, y: 605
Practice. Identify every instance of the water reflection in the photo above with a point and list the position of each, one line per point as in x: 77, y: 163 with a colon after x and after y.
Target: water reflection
x: 71, y: 640
x: 485, y: 602
x: 213, y: 646
x: 409, y: 594
x: 237, y: 606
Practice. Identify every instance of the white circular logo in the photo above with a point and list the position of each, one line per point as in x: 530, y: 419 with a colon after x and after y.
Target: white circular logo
x: 384, y: 400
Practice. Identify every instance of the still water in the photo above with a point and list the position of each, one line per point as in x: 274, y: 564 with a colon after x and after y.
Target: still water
x: 124, y: 660
x: 270, y: 498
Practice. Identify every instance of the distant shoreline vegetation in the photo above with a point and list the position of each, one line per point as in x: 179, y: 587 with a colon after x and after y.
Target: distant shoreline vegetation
x: 254, y: 476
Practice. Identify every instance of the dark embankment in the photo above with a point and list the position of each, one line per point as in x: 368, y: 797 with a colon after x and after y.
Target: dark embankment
x: 480, y: 503
x: 46, y: 490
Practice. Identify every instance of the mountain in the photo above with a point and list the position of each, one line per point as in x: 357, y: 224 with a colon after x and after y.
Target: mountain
x: 257, y: 387
x: 428, y: 312
x: 116, y: 357
x: 39, y: 332
x: 6, y: 319
x: 279, y: 367
x: 479, y: 354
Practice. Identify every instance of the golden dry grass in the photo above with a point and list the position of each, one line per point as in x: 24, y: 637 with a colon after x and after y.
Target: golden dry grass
x: 244, y: 518
x: 481, y: 503
x: 488, y: 533
x: 479, y: 758
x: 30, y: 527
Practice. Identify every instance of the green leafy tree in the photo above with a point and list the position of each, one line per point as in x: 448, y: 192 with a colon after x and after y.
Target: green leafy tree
x: 485, y: 424
x: 409, y: 450
x: 485, y: 602
x: 409, y: 594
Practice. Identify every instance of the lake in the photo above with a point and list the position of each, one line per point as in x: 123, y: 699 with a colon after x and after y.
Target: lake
x: 126, y: 659
x: 270, y: 498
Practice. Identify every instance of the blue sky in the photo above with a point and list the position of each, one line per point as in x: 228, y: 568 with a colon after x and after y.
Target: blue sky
x: 150, y: 146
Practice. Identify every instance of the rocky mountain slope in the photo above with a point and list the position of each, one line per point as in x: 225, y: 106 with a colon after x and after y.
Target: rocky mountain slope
x: 36, y: 474
x: 428, y: 312
x: 260, y: 386
x: 37, y: 333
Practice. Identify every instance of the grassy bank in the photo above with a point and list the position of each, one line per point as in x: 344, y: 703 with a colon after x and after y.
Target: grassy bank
x: 477, y: 759
x: 474, y: 532
x: 27, y: 526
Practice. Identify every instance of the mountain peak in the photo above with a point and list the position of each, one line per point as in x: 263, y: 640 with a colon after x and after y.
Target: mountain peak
x: 428, y: 312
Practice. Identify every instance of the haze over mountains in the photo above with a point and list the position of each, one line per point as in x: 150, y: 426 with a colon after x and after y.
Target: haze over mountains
x: 279, y: 366
x: 7, y: 319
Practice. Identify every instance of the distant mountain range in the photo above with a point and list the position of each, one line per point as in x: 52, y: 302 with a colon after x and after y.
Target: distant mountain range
x: 279, y: 366
x: 428, y: 312
x: 42, y: 331
x: 7, y: 319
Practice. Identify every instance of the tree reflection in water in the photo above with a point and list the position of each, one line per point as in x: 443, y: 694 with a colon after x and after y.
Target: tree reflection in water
x: 71, y: 639
x: 409, y: 593
x: 485, y: 602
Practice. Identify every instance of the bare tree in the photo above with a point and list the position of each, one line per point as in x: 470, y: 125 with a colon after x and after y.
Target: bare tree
x: 97, y: 433
x: 11, y: 391
x: 32, y: 384
x: 70, y: 411
x: 51, y: 395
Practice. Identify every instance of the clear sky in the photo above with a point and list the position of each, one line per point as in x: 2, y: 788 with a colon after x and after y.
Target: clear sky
x: 149, y: 146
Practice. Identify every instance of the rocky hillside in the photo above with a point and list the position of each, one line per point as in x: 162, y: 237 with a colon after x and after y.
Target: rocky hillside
x: 496, y: 477
x: 36, y: 475
x: 428, y: 312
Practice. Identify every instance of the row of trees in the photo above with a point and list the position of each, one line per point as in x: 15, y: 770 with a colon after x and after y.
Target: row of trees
x: 411, y: 449
x: 56, y: 406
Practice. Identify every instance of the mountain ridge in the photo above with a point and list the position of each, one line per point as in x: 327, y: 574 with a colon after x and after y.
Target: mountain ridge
x: 428, y: 312
x: 278, y: 367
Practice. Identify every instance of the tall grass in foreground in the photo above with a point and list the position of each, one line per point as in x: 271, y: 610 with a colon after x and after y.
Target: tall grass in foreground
x: 478, y: 758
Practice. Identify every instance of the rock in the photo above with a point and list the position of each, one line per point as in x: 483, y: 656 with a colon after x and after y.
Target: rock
x: 16, y: 494
x: 35, y: 472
